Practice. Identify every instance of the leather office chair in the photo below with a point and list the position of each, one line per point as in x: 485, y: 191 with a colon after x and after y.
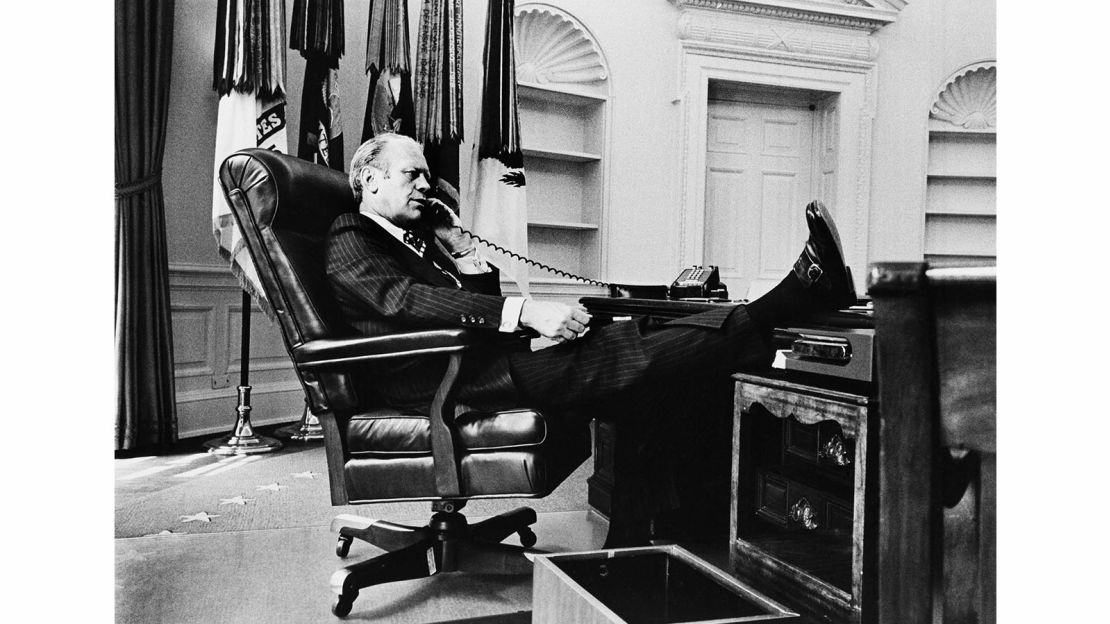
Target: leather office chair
x: 936, y: 362
x: 448, y: 454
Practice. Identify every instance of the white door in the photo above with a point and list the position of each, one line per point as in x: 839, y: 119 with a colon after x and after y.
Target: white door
x: 759, y: 177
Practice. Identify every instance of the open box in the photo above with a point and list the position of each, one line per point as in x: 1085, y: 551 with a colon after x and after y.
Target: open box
x: 651, y: 585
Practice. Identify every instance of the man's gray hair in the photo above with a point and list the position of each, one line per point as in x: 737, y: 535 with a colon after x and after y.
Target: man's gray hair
x: 370, y: 154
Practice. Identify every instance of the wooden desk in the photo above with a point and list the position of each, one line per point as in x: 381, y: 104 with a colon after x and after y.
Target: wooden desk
x: 937, y: 454
x: 705, y: 460
x: 803, y: 493
x: 705, y: 474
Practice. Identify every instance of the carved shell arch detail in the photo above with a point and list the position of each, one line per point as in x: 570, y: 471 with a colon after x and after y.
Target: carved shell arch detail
x: 969, y: 98
x: 552, y: 46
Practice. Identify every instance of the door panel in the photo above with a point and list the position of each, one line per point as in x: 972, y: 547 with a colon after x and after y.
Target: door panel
x: 759, y: 161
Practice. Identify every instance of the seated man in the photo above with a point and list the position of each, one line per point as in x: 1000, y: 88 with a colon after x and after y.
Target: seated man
x: 403, y: 264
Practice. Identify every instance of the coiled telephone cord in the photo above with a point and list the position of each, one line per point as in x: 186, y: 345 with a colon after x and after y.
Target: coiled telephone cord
x: 538, y: 265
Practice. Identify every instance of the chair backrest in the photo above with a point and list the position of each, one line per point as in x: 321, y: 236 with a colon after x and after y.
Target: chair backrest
x: 284, y: 207
x: 936, y: 363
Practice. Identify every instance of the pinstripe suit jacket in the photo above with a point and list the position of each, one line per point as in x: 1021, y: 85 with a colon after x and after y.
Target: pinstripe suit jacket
x: 382, y: 288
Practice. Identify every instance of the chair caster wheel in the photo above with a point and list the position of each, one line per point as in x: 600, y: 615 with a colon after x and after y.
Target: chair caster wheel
x: 527, y: 537
x: 342, y: 607
x: 343, y: 546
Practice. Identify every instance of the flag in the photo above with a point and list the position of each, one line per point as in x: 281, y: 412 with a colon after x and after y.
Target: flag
x: 249, y: 76
x: 317, y: 31
x: 321, y: 131
x: 437, y: 88
x: 497, y: 192
x: 389, y: 106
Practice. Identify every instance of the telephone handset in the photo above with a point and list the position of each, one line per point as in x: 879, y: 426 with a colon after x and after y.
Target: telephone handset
x: 450, y: 199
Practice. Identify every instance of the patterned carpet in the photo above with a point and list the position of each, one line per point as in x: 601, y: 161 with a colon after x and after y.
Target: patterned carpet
x: 201, y: 493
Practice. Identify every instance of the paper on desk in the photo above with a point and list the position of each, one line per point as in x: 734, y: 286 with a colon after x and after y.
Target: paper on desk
x: 780, y: 359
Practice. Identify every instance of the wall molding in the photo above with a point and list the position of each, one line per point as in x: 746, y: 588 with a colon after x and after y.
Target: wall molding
x: 768, y: 37
x: 230, y: 394
x: 854, y: 14
x: 206, y: 305
x: 185, y: 276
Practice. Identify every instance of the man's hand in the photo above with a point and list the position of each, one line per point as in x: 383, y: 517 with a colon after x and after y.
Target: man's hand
x: 558, y: 321
x: 447, y: 226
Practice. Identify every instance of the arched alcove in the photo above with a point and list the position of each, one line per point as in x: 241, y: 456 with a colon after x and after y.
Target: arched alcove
x: 553, y: 47
x: 563, y: 100
x: 960, y: 196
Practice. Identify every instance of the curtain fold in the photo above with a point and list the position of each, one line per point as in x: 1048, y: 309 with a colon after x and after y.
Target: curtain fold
x: 146, y: 404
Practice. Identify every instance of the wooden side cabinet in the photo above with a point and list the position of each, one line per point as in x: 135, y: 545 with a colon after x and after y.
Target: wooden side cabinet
x: 802, y: 509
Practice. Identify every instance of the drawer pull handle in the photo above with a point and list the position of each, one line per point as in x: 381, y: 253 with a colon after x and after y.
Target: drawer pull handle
x: 835, y: 451
x: 802, y: 512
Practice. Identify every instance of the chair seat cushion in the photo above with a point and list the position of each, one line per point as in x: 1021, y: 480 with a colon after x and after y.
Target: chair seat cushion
x: 391, y: 433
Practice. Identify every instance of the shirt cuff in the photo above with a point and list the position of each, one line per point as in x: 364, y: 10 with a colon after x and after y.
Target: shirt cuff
x: 471, y: 264
x: 510, y: 314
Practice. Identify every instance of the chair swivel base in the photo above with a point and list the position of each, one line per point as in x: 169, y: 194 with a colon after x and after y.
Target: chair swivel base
x: 447, y: 544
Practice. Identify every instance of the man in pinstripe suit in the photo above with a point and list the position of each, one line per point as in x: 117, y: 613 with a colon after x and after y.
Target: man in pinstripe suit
x: 402, y: 263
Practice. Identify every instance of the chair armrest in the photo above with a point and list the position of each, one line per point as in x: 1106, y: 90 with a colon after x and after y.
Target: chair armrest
x: 339, y: 351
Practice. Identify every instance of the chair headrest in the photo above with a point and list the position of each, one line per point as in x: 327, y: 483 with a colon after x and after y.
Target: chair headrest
x: 306, y: 197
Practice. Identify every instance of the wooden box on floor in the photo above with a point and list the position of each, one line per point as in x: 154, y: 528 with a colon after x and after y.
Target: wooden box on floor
x: 659, y: 584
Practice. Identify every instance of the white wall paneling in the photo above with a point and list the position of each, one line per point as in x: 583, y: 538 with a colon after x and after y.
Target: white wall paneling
x: 206, y: 309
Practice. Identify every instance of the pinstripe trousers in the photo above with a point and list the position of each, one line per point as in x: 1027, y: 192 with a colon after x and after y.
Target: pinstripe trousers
x: 626, y: 355
x: 652, y: 382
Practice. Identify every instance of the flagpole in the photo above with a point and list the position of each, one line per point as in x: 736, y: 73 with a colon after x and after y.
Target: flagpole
x: 306, y: 430
x: 243, y: 440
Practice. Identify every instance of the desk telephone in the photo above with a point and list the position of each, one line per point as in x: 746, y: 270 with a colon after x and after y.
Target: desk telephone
x: 696, y: 282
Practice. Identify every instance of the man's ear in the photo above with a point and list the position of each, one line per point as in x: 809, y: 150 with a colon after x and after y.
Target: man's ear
x: 370, y: 177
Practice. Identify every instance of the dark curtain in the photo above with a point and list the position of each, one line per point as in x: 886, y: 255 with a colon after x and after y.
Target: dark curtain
x: 146, y: 408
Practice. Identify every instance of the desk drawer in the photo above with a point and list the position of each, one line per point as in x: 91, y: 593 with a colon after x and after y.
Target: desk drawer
x: 794, y: 505
x: 823, y: 444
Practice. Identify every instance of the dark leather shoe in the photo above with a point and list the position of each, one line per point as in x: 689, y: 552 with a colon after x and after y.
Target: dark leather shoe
x: 821, y: 263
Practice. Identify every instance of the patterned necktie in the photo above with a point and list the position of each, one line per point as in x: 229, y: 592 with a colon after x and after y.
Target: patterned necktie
x: 415, y: 241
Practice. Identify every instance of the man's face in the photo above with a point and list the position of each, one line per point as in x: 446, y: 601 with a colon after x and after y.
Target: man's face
x: 397, y: 193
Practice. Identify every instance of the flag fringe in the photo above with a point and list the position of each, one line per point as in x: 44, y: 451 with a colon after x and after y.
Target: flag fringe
x: 257, y: 295
x: 249, y: 52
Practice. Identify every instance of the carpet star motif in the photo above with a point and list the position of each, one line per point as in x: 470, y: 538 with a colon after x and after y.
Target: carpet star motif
x: 273, y: 487
x: 308, y: 474
x: 203, y: 516
x: 238, y: 500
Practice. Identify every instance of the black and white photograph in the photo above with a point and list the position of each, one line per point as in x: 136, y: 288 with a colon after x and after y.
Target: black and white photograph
x: 564, y: 311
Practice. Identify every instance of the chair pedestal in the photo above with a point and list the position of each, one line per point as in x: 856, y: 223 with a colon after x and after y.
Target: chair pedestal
x: 447, y: 544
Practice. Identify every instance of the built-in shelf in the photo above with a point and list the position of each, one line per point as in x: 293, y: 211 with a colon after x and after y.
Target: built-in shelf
x: 960, y: 176
x: 558, y: 154
x: 563, y: 103
x: 950, y: 130
x: 562, y: 225
x: 562, y: 94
